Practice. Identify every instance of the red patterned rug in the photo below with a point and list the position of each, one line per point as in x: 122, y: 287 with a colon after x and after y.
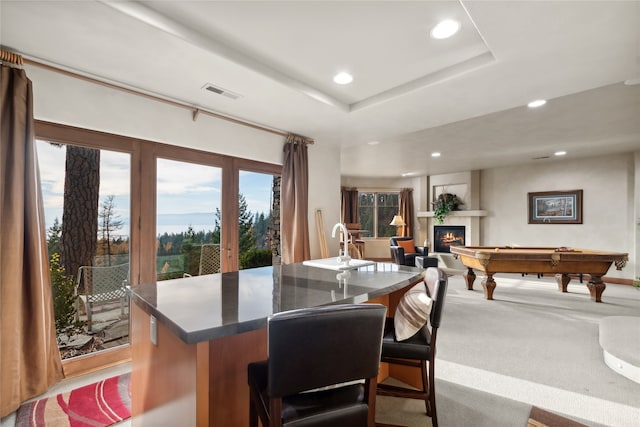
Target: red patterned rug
x: 95, y: 405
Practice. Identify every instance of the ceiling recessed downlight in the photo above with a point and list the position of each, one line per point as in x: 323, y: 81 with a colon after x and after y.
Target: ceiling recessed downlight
x: 537, y: 103
x: 445, y: 29
x: 343, y: 78
x: 435, y: 154
x: 559, y: 153
x: 373, y: 142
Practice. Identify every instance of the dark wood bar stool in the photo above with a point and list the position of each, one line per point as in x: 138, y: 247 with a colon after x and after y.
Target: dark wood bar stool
x: 322, y: 367
x: 420, y: 348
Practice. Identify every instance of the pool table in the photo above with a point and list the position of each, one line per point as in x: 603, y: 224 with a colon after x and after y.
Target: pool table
x: 540, y: 260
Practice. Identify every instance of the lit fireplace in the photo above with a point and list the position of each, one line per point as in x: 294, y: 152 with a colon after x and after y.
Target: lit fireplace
x: 445, y: 236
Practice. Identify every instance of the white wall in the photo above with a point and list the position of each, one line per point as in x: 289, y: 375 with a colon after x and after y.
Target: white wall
x: 609, y: 204
x: 70, y: 101
x: 324, y: 194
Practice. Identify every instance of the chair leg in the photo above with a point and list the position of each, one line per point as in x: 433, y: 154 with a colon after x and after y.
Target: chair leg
x: 425, y: 385
x: 89, y: 317
x: 253, y: 414
x: 432, y: 393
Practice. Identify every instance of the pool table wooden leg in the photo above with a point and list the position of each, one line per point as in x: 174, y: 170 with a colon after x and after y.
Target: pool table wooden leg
x: 488, y: 284
x: 470, y: 277
x: 563, y: 280
x: 596, y: 287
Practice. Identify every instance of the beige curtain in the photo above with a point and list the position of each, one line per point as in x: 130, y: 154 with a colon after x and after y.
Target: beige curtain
x: 349, y: 205
x: 406, y: 210
x: 29, y: 358
x: 294, y: 202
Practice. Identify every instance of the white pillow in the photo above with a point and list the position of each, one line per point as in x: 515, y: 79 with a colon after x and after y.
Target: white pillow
x: 412, y: 312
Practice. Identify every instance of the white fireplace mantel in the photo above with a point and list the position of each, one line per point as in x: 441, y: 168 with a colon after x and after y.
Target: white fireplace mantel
x: 470, y: 219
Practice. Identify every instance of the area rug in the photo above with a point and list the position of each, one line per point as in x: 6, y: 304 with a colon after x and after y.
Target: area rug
x: 541, y: 418
x: 100, y: 404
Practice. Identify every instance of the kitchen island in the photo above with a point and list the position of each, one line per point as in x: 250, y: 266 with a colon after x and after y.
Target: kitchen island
x: 192, y: 338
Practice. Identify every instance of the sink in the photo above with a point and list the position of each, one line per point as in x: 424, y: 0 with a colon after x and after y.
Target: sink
x: 333, y: 264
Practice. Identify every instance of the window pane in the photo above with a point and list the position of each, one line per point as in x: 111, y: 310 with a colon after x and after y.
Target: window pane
x: 366, y: 210
x: 188, y: 219
x: 255, y: 223
x: 375, y: 212
x: 86, y: 195
x: 387, y: 207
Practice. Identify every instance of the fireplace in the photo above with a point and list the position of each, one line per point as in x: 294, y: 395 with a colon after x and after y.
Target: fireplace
x: 445, y: 236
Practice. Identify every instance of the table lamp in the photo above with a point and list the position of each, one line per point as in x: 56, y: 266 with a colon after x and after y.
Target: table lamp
x: 398, y: 222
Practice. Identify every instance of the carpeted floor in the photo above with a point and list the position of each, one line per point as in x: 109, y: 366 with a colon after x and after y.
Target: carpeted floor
x: 532, y: 345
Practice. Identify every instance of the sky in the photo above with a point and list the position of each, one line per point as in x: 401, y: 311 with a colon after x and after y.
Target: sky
x: 187, y: 192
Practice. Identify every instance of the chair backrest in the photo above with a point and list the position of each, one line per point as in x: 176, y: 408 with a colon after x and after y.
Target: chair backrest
x: 209, y: 259
x: 354, y: 229
x: 103, y: 283
x: 322, y: 346
x: 354, y: 252
x: 393, y: 241
x: 436, y: 282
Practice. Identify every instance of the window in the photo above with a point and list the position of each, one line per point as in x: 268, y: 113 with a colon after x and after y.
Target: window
x: 86, y: 195
x: 188, y: 197
x: 256, y: 219
x: 375, y: 212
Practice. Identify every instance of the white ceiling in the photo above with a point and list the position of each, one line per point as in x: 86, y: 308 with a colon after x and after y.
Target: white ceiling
x: 463, y: 96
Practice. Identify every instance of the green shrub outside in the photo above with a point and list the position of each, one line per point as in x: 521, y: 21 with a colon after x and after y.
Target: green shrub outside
x: 62, y: 289
x: 256, y: 258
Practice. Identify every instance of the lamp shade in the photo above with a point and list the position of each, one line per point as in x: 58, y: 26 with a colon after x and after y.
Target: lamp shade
x: 397, y: 221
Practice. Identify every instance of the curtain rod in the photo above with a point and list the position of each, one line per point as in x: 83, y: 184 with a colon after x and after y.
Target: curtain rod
x: 13, y: 58
x: 195, y: 110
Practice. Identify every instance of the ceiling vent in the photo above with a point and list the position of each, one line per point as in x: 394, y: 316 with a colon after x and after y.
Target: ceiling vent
x: 221, y: 91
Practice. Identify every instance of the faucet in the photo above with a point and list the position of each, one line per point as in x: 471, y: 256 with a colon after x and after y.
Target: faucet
x: 343, y: 256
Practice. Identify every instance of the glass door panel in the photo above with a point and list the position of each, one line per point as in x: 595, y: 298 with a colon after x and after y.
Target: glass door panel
x: 188, y: 219
x: 87, y: 196
x: 256, y: 219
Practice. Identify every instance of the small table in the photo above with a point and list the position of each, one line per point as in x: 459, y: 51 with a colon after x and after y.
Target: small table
x: 560, y: 261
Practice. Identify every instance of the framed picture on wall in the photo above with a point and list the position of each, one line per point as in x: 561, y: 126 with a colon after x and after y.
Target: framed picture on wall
x: 555, y: 207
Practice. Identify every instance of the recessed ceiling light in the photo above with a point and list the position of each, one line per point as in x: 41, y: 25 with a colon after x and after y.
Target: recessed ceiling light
x: 373, y: 142
x: 445, y: 29
x: 537, y: 103
x: 559, y: 153
x: 409, y: 173
x: 435, y: 154
x: 343, y: 78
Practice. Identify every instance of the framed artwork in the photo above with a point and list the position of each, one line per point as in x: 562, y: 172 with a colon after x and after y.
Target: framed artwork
x: 555, y: 207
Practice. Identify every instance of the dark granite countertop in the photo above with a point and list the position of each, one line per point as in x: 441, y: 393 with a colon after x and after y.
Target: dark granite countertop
x: 213, y: 306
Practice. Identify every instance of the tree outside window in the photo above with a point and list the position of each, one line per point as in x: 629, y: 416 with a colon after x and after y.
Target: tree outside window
x: 375, y: 212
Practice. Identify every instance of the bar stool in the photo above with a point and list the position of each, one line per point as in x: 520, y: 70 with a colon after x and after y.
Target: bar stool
x: 322, y: 367
x: 420, y: 347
